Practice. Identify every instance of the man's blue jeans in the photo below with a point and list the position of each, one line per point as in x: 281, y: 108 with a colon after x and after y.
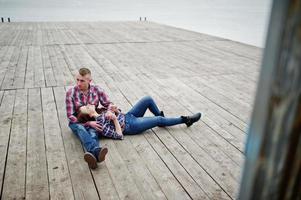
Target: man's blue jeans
x: 88, y: 137
x: 135, y: 122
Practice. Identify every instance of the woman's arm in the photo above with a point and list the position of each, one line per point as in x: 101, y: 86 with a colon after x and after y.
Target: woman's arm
x: 117, y: 126
x: 110, y: 115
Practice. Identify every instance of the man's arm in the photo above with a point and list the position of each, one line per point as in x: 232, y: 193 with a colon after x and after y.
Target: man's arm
x: 70, y: 109
x: 104, y: 99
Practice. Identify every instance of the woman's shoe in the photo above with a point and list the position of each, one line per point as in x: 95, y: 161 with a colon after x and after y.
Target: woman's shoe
x: 189, y: 120
x: 162, y: 115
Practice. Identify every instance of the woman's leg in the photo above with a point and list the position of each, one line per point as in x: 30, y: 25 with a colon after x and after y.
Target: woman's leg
x: 142, y: 105
x: 140, y: 124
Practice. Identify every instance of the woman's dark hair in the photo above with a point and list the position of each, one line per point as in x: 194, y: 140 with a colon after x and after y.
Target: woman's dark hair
x: 83, y: 118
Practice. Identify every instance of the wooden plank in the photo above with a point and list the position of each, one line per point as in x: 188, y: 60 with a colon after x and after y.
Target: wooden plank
x: 6, y: 112
x: 63, y: 67
x: 21, y: 69
x: 5, y: 63
x: 14, y: 180
x: 29, y: 76
x: 58, y: 171
x: 124, y: 183
x: 3, y: 51
x: 116, y: 69
x: 98, y: 68
x: 1, y: 95
x: 143, y: 178
x: 59, y: 77
x: 71, y: 63
x: 13, y: 41
x: 241, y: 92
x: 11, y: 68
x: 39, y: 78
x: 82, y: 180
x: 48, y: 70
x: 36, y: 170
x: 170, y: 186
x: 224, y: 61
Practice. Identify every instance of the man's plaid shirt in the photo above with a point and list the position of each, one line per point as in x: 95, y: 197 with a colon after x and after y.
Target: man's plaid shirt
x: 76, y: 98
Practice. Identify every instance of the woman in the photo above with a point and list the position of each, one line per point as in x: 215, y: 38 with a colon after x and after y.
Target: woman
x: 116, y: 124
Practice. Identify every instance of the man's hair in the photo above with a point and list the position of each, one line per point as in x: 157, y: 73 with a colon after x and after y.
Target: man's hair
x: 84, y: 71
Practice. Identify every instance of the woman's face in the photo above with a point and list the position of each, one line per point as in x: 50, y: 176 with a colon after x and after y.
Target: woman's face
x: 88, y: 109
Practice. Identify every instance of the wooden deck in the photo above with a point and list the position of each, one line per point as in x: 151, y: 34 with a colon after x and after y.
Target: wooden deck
x: 184, y: 71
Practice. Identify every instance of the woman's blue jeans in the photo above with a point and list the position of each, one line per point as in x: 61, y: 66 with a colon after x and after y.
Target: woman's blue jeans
x: 135, y: 123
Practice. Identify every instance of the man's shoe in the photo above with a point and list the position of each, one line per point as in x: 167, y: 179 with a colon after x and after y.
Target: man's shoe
x: 102, y: 154
x: 91, y: 160
x: 189, y: 120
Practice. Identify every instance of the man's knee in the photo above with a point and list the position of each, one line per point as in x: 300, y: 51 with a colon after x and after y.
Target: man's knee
x: 93, y: 133
x: 77, y: 127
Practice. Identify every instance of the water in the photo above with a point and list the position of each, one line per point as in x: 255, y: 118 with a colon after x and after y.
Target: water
x: 240, y: 20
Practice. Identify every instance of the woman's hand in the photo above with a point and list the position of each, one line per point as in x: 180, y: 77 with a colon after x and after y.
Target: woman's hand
x: 113, y: 108
x: 111, y: 116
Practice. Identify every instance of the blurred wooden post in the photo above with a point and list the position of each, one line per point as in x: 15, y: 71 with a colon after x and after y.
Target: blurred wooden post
x: 8, y: 19
x: 273, y: 150
x: 2, y: 19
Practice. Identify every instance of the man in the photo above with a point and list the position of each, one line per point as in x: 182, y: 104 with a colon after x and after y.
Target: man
x: 84, y: 93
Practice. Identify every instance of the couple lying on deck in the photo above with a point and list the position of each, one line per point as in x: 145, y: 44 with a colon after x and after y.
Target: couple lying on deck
x: 88, y: 122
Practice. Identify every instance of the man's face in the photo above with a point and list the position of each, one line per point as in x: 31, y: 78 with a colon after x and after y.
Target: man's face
x: 83, y: 81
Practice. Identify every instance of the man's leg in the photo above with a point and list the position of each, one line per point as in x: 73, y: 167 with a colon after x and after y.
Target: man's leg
x: 142, y: 105
x: 89, y: 140
x: 100, y: 153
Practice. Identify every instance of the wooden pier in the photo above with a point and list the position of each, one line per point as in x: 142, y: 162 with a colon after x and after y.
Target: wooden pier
x: 183, y: 71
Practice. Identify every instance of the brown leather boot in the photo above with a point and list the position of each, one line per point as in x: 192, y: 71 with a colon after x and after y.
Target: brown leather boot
x: 102, y: 154
x: 91, y: 160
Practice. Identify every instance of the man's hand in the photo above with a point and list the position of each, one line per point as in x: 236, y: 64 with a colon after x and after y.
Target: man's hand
x: 95, y: 125
x: 110, y: 115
